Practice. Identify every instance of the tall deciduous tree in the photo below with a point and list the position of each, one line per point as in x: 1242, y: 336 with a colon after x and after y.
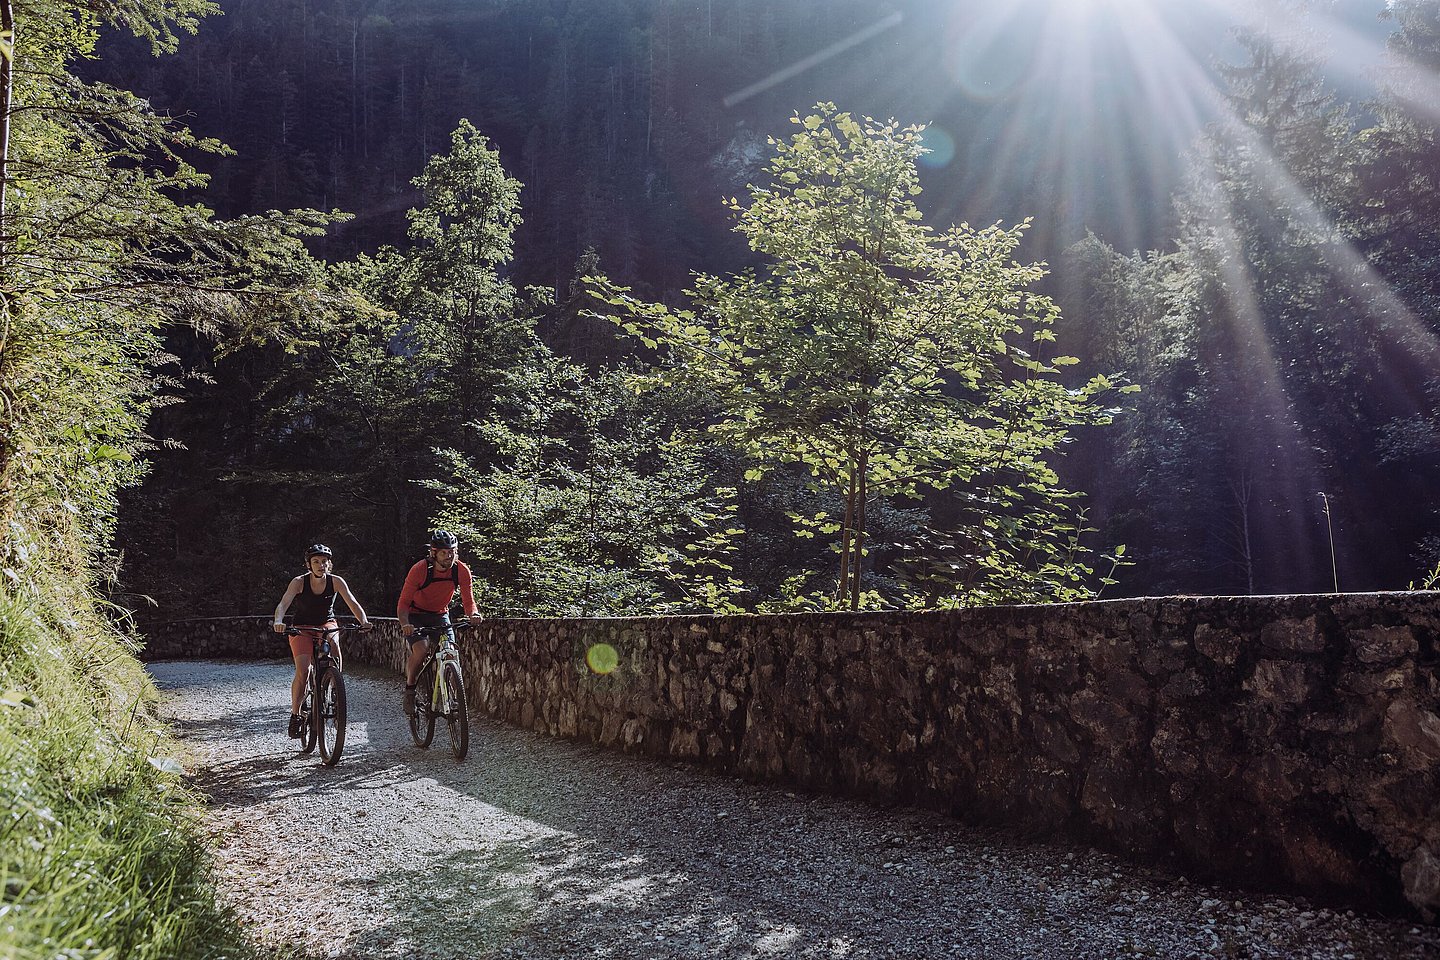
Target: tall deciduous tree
x: 877, y: 354
x: 99, y: 255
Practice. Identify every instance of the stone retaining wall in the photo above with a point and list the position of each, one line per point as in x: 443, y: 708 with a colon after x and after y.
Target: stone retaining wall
x: 1289, y: 741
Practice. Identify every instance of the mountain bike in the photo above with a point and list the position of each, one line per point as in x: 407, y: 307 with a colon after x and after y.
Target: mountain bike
x: 322, y: 711
x: 440, y: 691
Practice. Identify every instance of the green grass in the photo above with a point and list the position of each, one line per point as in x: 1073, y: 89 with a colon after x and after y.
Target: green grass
x: 99, y: 855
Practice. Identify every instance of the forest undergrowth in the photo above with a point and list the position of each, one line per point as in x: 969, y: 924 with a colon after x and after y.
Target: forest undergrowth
x: 100, y: 854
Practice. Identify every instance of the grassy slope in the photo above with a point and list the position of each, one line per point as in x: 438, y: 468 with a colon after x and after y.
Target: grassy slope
x: 99, y: 856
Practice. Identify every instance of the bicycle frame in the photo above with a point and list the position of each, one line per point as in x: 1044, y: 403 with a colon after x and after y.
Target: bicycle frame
x: 445, y: 699
x: 316, y: 708
x: 442, y: 650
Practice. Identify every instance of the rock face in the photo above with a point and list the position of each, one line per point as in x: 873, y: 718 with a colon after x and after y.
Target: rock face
x: 1291, y: 741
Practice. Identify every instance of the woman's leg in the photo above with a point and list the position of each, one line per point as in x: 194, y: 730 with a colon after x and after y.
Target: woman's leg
x: 335, y: 646
x: 302, y: 650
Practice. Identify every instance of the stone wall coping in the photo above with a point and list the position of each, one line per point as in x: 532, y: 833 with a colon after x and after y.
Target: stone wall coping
x: 890, y: 615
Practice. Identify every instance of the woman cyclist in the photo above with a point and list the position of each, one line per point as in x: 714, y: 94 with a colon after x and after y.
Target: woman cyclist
x: 312, y: 595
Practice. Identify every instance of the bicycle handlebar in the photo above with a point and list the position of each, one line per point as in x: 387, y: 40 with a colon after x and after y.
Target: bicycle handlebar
x: 296, y: 631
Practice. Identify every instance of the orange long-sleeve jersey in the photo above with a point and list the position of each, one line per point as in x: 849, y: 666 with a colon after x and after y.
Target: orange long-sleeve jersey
x: 436, y: 597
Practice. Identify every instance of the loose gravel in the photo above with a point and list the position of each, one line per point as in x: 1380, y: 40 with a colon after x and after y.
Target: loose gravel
x: 537, y: 848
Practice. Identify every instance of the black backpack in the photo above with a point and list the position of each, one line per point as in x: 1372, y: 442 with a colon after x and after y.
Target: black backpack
x: 453, y: 578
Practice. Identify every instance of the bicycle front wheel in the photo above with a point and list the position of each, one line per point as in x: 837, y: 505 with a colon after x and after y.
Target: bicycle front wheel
x: 422, y: 721
x: 457, y: 717
x: 330, y: 716
x: 307, y: 714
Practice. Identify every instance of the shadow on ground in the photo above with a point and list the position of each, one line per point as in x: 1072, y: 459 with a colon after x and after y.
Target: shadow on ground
x: 545, y: 848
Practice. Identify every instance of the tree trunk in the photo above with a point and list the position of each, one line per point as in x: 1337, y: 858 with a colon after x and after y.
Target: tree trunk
x: 858, y: 548
x: 7, y: 80
x: 845, y: 539
x: 1241, y: 488
x: 7, y: 83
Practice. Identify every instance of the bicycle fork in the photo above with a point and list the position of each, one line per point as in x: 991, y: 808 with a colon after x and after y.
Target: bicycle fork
x: 440, y: 694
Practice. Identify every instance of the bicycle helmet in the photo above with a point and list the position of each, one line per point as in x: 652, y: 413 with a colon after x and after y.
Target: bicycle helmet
x: 318, y: 550
x: 443, y: 540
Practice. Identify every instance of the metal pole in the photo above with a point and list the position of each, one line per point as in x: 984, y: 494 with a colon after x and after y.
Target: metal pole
x: 1330, y: 529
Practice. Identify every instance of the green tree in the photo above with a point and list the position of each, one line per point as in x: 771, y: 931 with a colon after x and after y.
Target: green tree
x: 356, y: 412
x: 1291, y: 339
x: 1398, y: 188
x: 98, y: 257
x: 597, y: 503
x: 871, y: 351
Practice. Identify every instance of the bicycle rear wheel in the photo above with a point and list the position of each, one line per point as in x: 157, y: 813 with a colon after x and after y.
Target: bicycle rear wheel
x: 307, y: 714
x: 422, y: 721
x: 330, y: 715
x: 457, y: 716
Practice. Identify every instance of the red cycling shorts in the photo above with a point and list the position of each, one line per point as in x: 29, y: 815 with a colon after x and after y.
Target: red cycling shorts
x: 300, y: 643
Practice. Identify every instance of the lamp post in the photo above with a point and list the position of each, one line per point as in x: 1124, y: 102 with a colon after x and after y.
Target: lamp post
x: 1330, y: 529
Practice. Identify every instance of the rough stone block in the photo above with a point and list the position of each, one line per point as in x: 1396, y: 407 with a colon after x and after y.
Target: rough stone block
x: 1421, y: 879
x: 1370, y: 683
x: 1383, y: 644
x: 986, y: 643
x: 1294, y: 636
x: 1413, y: 730
x: 1175, y: 749
x: 1283, y: 681
x: 1107, y: 721
x: 1182, y: 686
x: 1159, y: 661
x: 1219, y: 644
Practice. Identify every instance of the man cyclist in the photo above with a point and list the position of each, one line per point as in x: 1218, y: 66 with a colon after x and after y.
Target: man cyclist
x: 312, y: 597
x: 430, y: 588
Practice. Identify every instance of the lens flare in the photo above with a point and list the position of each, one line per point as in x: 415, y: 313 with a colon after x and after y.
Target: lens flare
x: 941, y: 146
x: 602, y: 658
x: 987, y: 60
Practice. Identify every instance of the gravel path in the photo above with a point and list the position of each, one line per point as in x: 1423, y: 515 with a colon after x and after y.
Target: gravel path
x: 537, y: 848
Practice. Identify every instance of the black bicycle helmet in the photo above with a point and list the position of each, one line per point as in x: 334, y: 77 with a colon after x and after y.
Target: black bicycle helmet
x: 443, y: 540
x: 318, y: 550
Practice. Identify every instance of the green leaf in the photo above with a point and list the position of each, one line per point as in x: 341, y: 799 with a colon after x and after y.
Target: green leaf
x: 17, y: 699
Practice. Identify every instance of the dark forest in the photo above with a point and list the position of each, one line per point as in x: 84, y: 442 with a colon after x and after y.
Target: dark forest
x: 1214, y: 239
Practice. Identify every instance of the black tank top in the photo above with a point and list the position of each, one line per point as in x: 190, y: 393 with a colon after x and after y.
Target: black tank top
x: 312, y: 609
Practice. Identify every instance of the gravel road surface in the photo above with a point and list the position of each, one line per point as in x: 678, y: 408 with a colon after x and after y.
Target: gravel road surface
x: 537, y: 848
